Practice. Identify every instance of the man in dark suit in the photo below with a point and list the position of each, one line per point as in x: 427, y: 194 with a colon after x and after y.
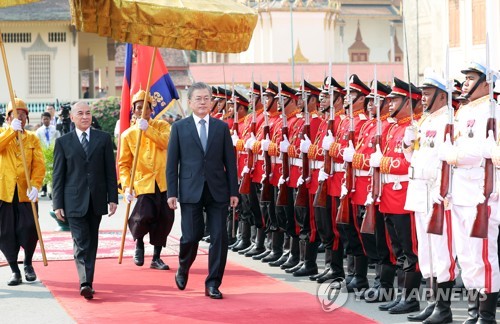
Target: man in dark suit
x: 201, y: 174
x: 84, y: 183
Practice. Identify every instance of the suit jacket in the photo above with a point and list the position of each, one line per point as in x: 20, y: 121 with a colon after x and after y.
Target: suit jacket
x: 188, y: 166
x: 77, y: 177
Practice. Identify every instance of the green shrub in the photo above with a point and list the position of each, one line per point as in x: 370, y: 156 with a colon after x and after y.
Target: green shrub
x: 48, y: 155
x: 107, y: 112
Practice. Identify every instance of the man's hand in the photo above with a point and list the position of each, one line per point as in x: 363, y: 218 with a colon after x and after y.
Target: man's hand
x: 16, y: 125
x: 264, y: 144
x: 143, y: 124
x: 376, y: 157
x: 233, y: 202
x: 409, y: 136
x: 172, y: 202
x: 327, y: 141
x: 322, y: 176
x: 235, y: 138
x: 249, y: 143
x: 32, y: 194
x: 349, y: 152
x: 112, y: 208
x: 129, y: 197
x: 489, y: 145
x: 284, y: 144
x: 60, y: 214
x: 305, y: 144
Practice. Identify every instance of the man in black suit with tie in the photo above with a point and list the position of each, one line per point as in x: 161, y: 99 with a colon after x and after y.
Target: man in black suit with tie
x: 201, y: 174
x: 84, y: 183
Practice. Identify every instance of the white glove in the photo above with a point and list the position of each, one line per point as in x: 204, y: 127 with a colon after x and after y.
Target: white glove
x: 281, y: 181
x: 16, y: 125
x: 143, y: 124
x: 435, y: 196
x: 369, y: 199
x: 322, y: 176
x: 129, y: 197
x: 235, y: 138
x: 376, y: 157
x: 409, y: 136
x: 349, y: 152
x: 300, y: 181
x: 489, y: 145
x: 305, y: 144
x: 264, y: 144
x: 33, y: 193
x: 284, y: 144
x: 249, y: 143
x: 445, y: 149
x: 245, y: 170
x: 343, y: 191
x: 327, y: 141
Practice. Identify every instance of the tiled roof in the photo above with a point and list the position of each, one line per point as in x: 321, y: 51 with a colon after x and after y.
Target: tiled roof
x: 44, y: 10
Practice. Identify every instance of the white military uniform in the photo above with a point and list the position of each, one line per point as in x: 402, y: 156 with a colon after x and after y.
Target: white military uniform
x: 478, y: 258
x: 425, y: 176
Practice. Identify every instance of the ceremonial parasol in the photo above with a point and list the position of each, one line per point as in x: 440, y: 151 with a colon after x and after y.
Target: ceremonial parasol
x: 207, y: 25
x: 10, y: 3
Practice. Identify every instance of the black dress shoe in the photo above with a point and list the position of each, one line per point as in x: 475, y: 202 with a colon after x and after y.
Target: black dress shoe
x: 280, y: 261
x: 139, y: 257
x: 306, y: 271
x: 255, y: 251
x: 262, y: 255
x: 158, y: 264
x: 295, y: 268
x: 86, y: 292
x: 243, y: 244
x: 29, y: 273
x: 249, y: 248
x: 319, y: 275
x: 213, y: 292
x: 15, y: 279
x: 181, y: 279
x: 271, y: 257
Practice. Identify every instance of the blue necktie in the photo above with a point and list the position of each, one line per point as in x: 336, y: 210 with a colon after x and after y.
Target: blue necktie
x: 47, y: 138
x: 85, y: 143
x: 203, y: 134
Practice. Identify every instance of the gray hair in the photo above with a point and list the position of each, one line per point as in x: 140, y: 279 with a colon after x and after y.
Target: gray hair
x: 198, y: 86
x: 78, y: 103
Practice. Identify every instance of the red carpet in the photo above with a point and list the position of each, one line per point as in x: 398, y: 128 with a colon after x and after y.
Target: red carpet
x: 59, y: 246
x: 129, y: 294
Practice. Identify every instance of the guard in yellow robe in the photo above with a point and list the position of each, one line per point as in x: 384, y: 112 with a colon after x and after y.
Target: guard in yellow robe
x: 17, y: 225
x: 151, y: 213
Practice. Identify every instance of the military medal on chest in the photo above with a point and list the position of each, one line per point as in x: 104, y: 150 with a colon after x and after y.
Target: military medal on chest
x: 430, y: 136
x: 470, y: 124
x: 399, y: 146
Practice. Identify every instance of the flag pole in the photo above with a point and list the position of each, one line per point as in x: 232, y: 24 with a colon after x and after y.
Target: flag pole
x: 134, y: 163
x: 21, y: 148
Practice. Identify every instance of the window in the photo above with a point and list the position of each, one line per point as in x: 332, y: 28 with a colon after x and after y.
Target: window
x: 16, y: 37
x: 57, y: 37
x: 39, y: 74
x: 454, y: 20
x: 359, y: 57
x: 478, y: 22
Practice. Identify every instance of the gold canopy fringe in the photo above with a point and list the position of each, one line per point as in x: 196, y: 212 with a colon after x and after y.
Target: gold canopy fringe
x: 222, y: 26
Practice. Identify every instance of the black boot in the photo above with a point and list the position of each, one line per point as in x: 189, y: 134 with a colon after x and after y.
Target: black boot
x: 245, y: 237
x: 360, y: 282
x: 302, y: 253
x: 267, y: 245
x: 258, y: 248
x: 442, y: 310
x: 248, y: 249
x: 401, y: 281
x: 276, y: 247
x: 328, y: 258
x: 488, y: 308
x: 294, y: 256
x: 280, y: 261
x: 139, y: 252
x: 350, y: 269
x: 373, y: 291
x: 409, y: 303
x: 309, y: 267
x: 472, y: 306
x: 385, y: 291
x: 431, y: 303
x: 336, y: 271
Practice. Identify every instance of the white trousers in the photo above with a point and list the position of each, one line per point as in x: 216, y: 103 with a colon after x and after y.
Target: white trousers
x: 438, y: 247
x: 478, y: 258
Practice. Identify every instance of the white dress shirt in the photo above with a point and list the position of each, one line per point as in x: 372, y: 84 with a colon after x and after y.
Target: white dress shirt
x: 198, y: 125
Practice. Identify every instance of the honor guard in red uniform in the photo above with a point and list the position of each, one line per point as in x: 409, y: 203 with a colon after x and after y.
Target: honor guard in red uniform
x: 223, y: 95
x: 215, y: 92
x: 350, y: 230
x: 376, y: 246
x: 474, y: 140
x: 259, y: 145
x: 436, y: 253
x: 246, y: 161
x: 277, y: 215
x: 325, y: 219
x: 239, y: 104
x: 400, y: 223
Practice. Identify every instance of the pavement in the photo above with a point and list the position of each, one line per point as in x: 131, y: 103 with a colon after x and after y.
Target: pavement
x: 33, y: 302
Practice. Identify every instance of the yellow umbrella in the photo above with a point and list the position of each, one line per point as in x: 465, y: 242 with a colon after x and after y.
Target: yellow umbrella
x: 12, y: 3
x: 222, y: 26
